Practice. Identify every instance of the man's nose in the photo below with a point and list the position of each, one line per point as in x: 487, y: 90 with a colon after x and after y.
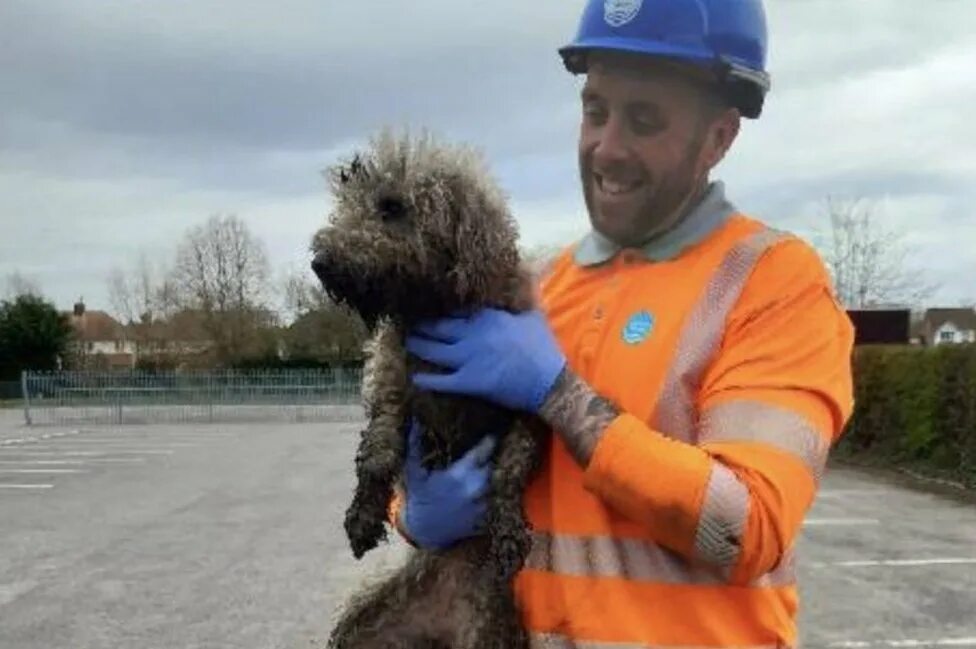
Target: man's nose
x: 612, y: 144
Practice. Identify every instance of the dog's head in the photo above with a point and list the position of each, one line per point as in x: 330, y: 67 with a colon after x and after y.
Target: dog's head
x: 418, y: 230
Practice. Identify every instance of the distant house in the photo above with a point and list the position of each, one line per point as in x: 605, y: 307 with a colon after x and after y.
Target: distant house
x: 881, y: 325
x: 101, y: 341
x: 177, y: 341
x: 947, y: 326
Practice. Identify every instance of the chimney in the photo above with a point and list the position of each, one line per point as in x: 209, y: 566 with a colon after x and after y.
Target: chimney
x: 80, y: 308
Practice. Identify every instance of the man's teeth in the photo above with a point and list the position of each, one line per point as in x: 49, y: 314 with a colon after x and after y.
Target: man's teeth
x: 617, y: 187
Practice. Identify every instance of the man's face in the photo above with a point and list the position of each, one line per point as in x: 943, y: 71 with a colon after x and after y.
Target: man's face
x: 644, y: 147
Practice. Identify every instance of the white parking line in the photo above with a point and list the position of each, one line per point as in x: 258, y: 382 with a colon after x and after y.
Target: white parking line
x: 823, y: 522
x: 26, y: 486
x: 38, y: 442
x: 39, y: 462
x: 868, y: 563
x: 11, y: 591
x: 84, y: 444
x: 847, y: 493
x: 41, y: 471
x: 941, y: 642
x: 156, y: 436
x: 117, y: 440
x: 72, y: 462
x: 10, y: 453
x: 34, y: 438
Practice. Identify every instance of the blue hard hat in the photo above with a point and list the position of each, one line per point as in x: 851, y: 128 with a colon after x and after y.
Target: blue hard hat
x: 726, y: 36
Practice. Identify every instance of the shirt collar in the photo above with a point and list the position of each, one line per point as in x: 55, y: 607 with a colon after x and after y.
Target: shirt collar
x: 701, y: 221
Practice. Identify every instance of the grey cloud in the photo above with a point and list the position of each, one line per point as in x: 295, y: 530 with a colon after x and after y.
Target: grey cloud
x: 130, y: 121
x: 861, y: 184
x: 180, y: 93
x: 244, y: 90
x: 814, y: 42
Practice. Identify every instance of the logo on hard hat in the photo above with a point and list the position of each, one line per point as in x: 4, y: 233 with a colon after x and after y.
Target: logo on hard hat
x: 618, y: 13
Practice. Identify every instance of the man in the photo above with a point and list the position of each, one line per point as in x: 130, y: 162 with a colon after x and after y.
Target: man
x: 693, y: 364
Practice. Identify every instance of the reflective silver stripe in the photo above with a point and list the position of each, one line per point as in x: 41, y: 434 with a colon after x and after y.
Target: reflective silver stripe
x: 718, y: 539
x: 702, y: 334
x: 634, y: 560
x: 752, y: 421
x: 556, y: 641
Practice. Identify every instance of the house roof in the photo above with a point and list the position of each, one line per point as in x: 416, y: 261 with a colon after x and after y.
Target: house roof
x: 962, y: 318
x: 96, y: 326
x: 182, y: 326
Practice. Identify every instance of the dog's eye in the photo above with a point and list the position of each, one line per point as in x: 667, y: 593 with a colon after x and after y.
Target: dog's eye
x: 391, y: 208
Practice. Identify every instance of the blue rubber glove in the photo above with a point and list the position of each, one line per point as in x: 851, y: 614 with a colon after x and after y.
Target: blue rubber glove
x: 445, y: 506
x: 510, y: 359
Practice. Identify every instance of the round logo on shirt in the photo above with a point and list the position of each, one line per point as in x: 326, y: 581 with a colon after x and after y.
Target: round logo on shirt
x: 638, y: 328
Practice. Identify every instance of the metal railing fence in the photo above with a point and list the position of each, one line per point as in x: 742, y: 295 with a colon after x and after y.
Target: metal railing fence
x: 103, y: 398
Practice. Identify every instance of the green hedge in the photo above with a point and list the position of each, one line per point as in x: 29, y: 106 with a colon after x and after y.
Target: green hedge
x: 915, y: 408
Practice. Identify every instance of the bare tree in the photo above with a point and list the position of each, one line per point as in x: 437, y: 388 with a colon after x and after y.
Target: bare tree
x: 121, y: 295
x: 143, y: 297
x: 222, y: 273
x: 140, y: 293
x: 869, y: 262
x: 300, y: 293
x: 319, y: 329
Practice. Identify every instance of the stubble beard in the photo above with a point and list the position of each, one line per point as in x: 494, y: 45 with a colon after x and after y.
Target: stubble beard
x: 665, y: 204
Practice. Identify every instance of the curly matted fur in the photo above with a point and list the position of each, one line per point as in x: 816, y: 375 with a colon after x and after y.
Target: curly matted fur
x: 419, y: 230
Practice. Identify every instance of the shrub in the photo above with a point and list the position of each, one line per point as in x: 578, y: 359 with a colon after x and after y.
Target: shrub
x: 915, y: 407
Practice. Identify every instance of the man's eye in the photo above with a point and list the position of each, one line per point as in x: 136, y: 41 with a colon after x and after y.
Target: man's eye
x: 647, y: 122
x: 594, y: 113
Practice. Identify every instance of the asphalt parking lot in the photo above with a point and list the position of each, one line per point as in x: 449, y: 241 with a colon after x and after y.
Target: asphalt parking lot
x: 231, y: 536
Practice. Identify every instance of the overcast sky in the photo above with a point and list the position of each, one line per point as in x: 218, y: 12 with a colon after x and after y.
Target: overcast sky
x: 123, y: 123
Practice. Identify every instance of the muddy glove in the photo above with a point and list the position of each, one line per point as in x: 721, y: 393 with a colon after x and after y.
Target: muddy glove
x: 445, y: 506
x: 511, y: 359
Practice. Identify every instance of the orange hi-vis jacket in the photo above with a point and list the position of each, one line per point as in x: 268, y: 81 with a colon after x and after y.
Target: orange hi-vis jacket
x: 729, y: 358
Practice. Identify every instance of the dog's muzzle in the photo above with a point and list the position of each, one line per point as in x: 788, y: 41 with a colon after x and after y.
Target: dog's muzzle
x: 346, y: 287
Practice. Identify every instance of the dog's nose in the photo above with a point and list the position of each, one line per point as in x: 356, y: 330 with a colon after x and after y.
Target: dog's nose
x: 320, y: 266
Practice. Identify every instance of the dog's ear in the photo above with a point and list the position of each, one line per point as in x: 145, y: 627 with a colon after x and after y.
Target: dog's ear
x: 485, y: 246
x: 356, y: 169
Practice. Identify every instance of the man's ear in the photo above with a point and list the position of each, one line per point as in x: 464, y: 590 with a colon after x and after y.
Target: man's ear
x: 720, y: 135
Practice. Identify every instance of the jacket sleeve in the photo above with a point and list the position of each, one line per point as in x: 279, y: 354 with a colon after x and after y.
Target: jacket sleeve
x: 775, y: 397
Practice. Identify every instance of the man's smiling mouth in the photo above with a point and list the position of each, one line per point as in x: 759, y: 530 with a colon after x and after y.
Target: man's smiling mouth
x: 617, y: 186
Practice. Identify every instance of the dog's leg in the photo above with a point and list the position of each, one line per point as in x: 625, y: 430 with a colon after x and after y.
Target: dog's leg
x: 378, y: 462
x: 435, y: 601
x: 386, y: 616
x: 510, y: 540
x: 489, y: 617
x: 380, y: 456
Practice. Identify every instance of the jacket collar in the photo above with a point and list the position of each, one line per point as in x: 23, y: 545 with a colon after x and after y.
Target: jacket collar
x: 710, y: 212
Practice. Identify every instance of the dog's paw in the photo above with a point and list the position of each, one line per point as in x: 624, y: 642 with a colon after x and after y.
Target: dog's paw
x: 363, y: 530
